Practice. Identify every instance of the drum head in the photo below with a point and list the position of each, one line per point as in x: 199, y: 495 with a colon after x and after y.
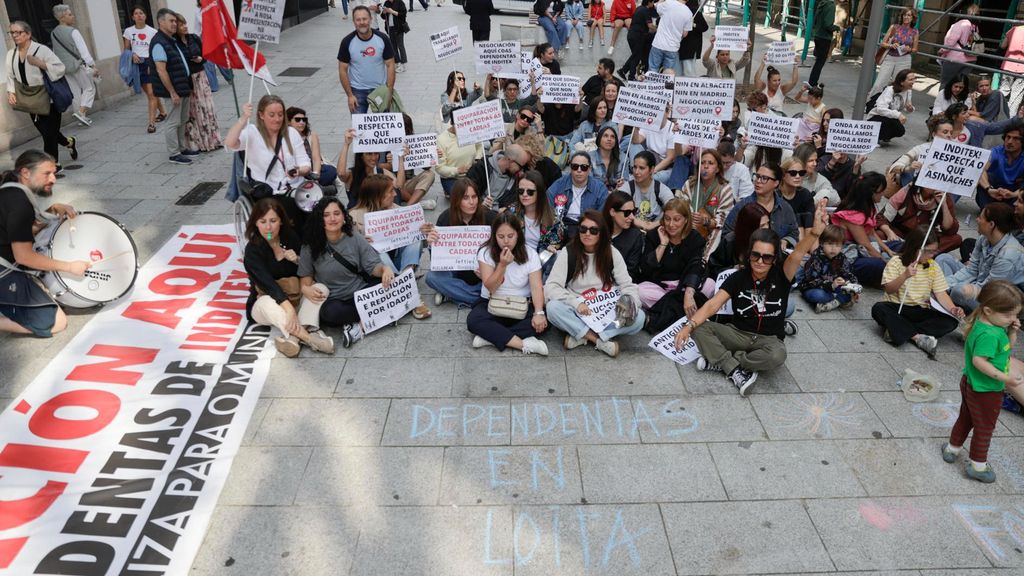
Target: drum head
x: 307, y: 195
x: 99, y: 239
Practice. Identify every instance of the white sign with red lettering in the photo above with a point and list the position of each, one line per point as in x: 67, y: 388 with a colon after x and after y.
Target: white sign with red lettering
x: 479, y: 123
x: 602, y: 308
x: 456, y: 247
x: 379, y: 306
x: 390, y: 229
x: 640, y: 108
x: 732, y: 38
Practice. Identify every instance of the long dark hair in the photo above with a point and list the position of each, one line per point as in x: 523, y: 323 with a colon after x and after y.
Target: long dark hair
x: 947, y: 90
x: 860, y: 198
x: 359, y: 174
x: 592, y: 113
x: 294, y: 111
x: 832, y: 113
x: 259, y: 210
x: 519, y: 254
x: 616, y: 200
x: 451, y: 84
x: 613, y: 155
x: 316, y: 235
x: 767, y: 156
x: 748, y: 220
x: 912, y: 244
x: 901, y: 77
x: 764, y: 235
x: 603, y: 262
x: 27, y: 160
x: 459, y: 189
x: 545, y: 214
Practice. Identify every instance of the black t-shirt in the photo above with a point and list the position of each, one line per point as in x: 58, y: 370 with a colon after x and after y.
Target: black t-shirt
x: 559, y: 119
x: 803, y: 206
x: 16, y: 218
x: 759, y: 307
x: 638, y: 27
x: 554, y: 67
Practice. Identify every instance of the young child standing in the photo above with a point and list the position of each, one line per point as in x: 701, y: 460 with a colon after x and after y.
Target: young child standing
x: 827, y: 271
x: 811, y: 121
x: 596, y: 20
x: 991, y: 333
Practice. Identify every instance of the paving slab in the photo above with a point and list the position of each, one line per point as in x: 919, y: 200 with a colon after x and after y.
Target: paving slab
x: 311, y: 378
x: 809, y: 416
x: 841, y: 371
x: 323, y: 422
x: 743, y: 538
x: 924, y: 419
x: 577, y: 420
x: 368, y: 477
x: 265, y: 476
x: 713, y: 418
x: 511, y: 475
x: 652, y: 473
x: 397, y: 377
x: 782, y: 470
x: 515, y: 376
x: 946, y: 369
x: 447, y: 422
x: 631, y: 373
x: 771, y: 382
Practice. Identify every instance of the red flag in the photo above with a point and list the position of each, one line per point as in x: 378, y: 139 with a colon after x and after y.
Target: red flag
x: 221, y: 45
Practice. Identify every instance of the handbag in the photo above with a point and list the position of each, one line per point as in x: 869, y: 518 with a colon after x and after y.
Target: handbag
x: 880, y: 55
x: 512, y: 307
x: 977, y: 44
x: 31, y: 99
x: 291, y: 287
x: 58, y: 90
x: 256, y: 191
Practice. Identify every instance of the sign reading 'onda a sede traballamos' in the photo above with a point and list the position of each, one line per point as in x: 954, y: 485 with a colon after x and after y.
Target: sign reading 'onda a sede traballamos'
x: 771, y: 131
x: 852, y: 136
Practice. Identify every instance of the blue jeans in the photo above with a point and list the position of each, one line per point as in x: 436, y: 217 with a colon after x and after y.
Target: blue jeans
x: 446, y: 185
x: 950, y: 266
x: 565, y: 319
x: 557, y: 33
x: 362, y: 100
x: 662, y: 59
x: 454, y: 289
x: 401, y: 258
x: 822, y: 296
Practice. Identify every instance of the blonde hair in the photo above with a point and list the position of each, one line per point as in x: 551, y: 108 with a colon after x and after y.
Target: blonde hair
x: 264, y: 103
x: 681, y: 207
x: 999, y: 296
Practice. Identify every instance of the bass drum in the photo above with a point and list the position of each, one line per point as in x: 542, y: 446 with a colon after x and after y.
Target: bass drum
x: 96, y: 238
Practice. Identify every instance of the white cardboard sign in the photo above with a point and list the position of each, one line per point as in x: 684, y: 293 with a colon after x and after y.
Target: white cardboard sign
x: 732, y: 38
x: 379, y: 132
x: 456, y: 247
x: 652, y: 87
x: 703, y: 98
x: 659, y: 78
x: 390, y: 229
x: 479, y: 123
x: 852, y: 136
x: 639, y: 108
x: 665, y: 344
x: 701, y: 133
x: 559, y: 89
x: 951, y: 167
x: 726, y: 309
x: 602, y: 308
x: 498, y: 57
x: 422, y: 151
x: 260, y: 20
x: 379, y: 306
x: 446, y: 43
x: 771, y: 130
x: 781, y: 53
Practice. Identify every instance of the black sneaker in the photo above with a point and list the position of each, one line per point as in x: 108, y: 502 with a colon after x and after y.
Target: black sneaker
x: 743, y: 380
x: 351, y: 334
x: 180, y: 159
x: 73, y: 146
x: 191, y: 152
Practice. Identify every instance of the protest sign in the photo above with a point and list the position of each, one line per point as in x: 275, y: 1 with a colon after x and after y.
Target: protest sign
x: 529, y: 63
x: 260, y: 21
x: 951, y: 167
x: 665, y: 344
x: 726, y: 309
x: 701, y: 133
x: 479, y: 123
x: 781, y: 54
x: 456, y: 247
x: 852, y: 136
x: 498, y: 57
x: 422, y: 152
x: 602, y: 308
x: 446, y: 43
x: 525, y: 86
x: 732, y: 38
x: 640, y: 108
x: 390, y: 229
x: 703, y: 98
x: 658, y: 78
x: 559, y: 89
x: 379, y: 306
x: 652, y: 87
x: 379, y: 132
x: 771, y: 131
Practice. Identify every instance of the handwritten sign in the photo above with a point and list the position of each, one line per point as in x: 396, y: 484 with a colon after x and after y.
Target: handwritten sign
x: 422, y: 151
x: 559, y: 89
x: 498, y: 57
x: 772, y: 131
x: 379, y: 306
x: 703, y: 98
x: 446, y: 43
x: 653, y: 87
x: 531, y: 64
x: 602, y: 308
x: 781, y: 54
x: 665, y: 344
x: 658, y: 78
x: 456, y: 247
x: 852, y: 136
x: 701, y: 133
x: 639, y: 108
x: 478, y: 123
x: 390, y: 229
x: 951, y: 167
x: 379, y: 132
x: 732, y: 38
x: 525, y: 86
x: 260, y: 21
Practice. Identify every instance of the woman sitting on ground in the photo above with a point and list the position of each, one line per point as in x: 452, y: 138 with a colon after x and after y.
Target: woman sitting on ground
x: 605, y: 159
x: 619, y: 214
x: 365, y: 164
x: 913, y: 207
x: 891, y: 105
x: 542, y: 232
x: 456, y: 96
x: 648, y: 194
x: 271, y: 261
x: 819, y: 185
x: 465, y: 209
x: 334, y: 264
x: 856, y: 215
x: 794, y: 193
x: 904, y: 170
x: 732, y: 250
x: 587, y: 265
x: 508, y: 268
x: 673, y: 258
x: 711, y: 198
x: 913, y: 279
x: 759, y: 293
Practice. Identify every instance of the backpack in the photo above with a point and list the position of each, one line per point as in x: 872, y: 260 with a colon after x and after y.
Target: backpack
x: 871, y: 102
x: 557, y: 150
x: 657, y: 193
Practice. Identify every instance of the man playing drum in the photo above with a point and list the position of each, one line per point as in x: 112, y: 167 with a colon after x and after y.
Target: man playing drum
x: 25, y: 307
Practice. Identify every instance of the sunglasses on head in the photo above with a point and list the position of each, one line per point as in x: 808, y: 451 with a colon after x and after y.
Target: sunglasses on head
x: 627, y: 212
x: 580, y: 167
x: 525, y: 118
x: 766, y: 258
x: 526, y: 191
x: 763, y: 178
x: 592, y: 230
x: 795, y: 173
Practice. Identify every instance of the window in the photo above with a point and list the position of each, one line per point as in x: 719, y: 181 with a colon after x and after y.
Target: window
x: 38, y: 14
x: 125, y: 8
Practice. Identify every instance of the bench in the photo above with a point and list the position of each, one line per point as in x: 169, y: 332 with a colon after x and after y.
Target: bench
x: 531, y: 34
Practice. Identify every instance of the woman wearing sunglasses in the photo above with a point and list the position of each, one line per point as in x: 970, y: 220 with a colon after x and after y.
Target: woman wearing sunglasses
x: 456, y: 96
x: 323, y: 173
x: 590, y: 265
x: 759, y: 294
x: 576, y: 192
x: 542, y: 232
x: 619, y: 215
x: 793, y: 192
x: 509, y: 268
x: 766, y: 193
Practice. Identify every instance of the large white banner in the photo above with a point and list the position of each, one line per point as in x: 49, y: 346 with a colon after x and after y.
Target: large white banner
x: 390, y: 229
x: 379, y: 306
x: 952, y: 167
x: 457, y: 246
x: 703, y: 98
x: 378, y: 132
x: 498, y: 57
x: 114, y: 456
x: 260, y: 20
x: 478, y: 123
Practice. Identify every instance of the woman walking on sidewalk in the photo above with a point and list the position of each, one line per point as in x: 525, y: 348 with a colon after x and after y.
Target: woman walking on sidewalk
x: 137, y: 38
x: 201, y: 130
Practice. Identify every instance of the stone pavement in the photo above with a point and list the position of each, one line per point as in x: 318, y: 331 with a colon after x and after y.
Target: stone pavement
x: 413, y: 453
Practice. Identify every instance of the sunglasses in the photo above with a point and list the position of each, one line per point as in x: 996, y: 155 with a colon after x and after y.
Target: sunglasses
x: 299, y: 119
x: 762, y: 178
x: 766, y: 258
x: 580, y: 167
x: 527, y: 191
x: 461, y: 78
x: 624, y: 212
x: 525, y: 118
x: 795, y: 173
x: 592, y: 230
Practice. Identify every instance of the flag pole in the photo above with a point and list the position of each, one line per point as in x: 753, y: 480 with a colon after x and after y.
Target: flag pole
x: 252, y: 78
x: 234, y: 97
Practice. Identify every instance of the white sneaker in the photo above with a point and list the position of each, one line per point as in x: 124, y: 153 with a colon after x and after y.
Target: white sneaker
x: 610, y: 347
x: 400, y: 68
x: 571, y: 342
x: 826, y: 306
x: 428, y: 204
x: 82, y: 118
x: 438, y: 299
x: 592, y: 44
x: 704, y: 366
x: 581, y: 45
x: 480, y: 342
x: 532, y: 345
x: 611, y: 50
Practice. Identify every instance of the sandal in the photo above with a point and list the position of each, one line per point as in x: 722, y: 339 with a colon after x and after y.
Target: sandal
x: 421, y: 312
x: 151, y: 128
x: 161, y: 117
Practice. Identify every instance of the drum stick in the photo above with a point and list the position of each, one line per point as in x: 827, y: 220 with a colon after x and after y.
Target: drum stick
x: 109, y: 258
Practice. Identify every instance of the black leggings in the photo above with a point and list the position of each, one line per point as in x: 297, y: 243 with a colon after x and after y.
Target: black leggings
x: 338, y: 312
x: 482, y: 35
x: 913, y: 320
x: 398, y: 42
x: 49, y: 128
x: 822, y: 50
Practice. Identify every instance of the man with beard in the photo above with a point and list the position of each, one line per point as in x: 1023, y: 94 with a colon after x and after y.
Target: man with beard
x: 502, y: 169
x: 25, y: 308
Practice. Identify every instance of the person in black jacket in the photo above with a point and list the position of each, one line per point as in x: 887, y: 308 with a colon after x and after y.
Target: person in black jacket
x: 691, y: 45
x: 619, y: 212
x: 175, y: 82
x: 396, y: 25
x: 479, y: 18
x: 271, y: 261
x: 673, y: 255
x: 640, y: 36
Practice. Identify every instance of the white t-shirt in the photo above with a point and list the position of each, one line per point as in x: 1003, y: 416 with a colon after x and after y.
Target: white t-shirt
x: 517, y: 276
x: 139, y: 38
x: 260, y: 156
x: 576, y: 206
x: 658, y: 141
x: 532, y: 232
x: 676, y: 20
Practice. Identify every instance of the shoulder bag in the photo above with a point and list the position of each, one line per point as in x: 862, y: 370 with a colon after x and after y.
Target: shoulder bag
x: 370, y: 280
x: 31, y: 99
x: 260, y: 190
x: 59, y: 90
x: 512, y: 307
x: 291, y: 287
x: 21, y: 288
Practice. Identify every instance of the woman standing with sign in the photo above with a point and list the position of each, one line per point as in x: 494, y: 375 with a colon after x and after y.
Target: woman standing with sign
x: 511, y: 276
x: 466, y: 209
x: 335, y: 263
x: 590, y: 264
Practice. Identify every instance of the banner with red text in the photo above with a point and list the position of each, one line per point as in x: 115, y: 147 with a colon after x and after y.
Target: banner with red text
x: 113, y: 457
